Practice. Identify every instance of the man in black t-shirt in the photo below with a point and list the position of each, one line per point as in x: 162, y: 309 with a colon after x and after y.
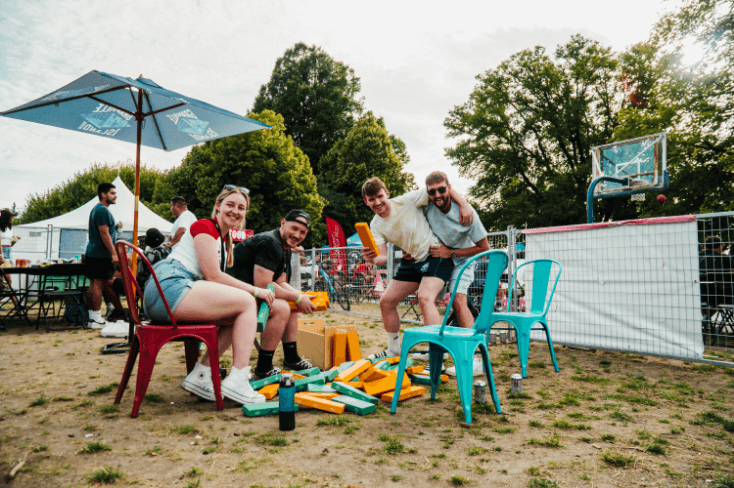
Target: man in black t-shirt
x: 262, y: 260
x: 717, y: 273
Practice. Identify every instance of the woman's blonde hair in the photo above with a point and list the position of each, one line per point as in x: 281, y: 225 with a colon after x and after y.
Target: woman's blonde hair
x: 228, y: 238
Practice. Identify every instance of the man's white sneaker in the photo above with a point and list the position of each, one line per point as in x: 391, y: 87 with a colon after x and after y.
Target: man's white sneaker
x: 236, y: 386
x: 424, y: 355
x: 199, y: 382
x: 116, y: 329
x: 97, y: 324
x: 382, y: 355
x: 477, y: 368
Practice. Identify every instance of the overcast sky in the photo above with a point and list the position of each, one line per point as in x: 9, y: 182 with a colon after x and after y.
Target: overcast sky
x: 416, y: 61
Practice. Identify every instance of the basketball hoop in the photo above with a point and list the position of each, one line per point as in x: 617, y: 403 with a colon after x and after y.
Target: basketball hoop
x: 638, y: 197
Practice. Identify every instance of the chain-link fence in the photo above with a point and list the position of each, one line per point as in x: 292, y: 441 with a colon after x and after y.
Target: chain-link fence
x: 661, y: 287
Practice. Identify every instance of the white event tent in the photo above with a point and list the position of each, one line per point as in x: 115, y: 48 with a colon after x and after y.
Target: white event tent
x: 65, y: 236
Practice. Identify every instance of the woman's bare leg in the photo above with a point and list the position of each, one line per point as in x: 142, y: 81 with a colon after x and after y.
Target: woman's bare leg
x: 226, y: 306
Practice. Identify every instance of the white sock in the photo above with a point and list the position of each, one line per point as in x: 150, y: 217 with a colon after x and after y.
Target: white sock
x: 95, y: 315
x: 393, y: 343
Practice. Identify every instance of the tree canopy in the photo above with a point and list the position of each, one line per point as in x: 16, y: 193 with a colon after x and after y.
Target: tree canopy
x: 82, y: 187
x: 266, y: 162
x: 316, y: 96
x: 527, y: 131
x: 366, y: 151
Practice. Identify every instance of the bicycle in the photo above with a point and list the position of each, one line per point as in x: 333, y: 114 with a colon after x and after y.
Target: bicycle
x: 335, y: 288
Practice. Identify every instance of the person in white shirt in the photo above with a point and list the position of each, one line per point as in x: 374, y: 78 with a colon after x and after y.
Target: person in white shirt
x: 184, y: 219
x: 401, y: 222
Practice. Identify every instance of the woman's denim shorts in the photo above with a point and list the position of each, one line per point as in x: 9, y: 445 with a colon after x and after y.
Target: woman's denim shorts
x: 175, y: 280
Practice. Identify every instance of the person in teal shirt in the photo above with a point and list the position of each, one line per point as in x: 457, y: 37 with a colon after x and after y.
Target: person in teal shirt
x: 100, y: 257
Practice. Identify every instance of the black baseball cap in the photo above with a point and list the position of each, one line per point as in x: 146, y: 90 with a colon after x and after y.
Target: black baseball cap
x: 178, y: 199
x: 293, y: 215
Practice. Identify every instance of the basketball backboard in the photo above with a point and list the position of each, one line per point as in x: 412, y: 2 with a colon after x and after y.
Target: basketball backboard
x: 641, y: 161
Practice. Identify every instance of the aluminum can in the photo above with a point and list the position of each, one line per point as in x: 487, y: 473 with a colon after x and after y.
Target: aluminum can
x: 516, y: 383
x: 286, y: 409
x: 480, y: 391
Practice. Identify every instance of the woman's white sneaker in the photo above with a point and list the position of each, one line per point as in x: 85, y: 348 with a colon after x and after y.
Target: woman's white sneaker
x: 236, y: 387
x: 199, y: 382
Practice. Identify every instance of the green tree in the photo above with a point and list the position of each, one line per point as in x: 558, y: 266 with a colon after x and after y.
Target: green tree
x: 527, y: 131
x: 82, y: 187
x: 366, y: 151
x: 266, y: 162
x: 692, y: 103
x: 316, y: 96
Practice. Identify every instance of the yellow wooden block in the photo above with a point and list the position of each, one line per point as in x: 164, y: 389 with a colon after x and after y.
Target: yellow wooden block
x: 356, y: 384
x: 353, y: 351
x: 307, y: 400
x: 365, y: 235
x: 386, y: 384
x: 339, y: 348
x: 405, y: 393
x: 393, y: 360
x: 414, y: 369
x: 269, y: 391
x: 326, y: 396
x: 354, y: 370
x: 373, y: 374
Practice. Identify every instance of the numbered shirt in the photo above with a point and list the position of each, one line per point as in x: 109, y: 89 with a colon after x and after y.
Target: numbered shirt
x: 406, y: 226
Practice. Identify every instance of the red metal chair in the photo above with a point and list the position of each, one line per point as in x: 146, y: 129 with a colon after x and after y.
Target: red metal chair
x: 149, y: 338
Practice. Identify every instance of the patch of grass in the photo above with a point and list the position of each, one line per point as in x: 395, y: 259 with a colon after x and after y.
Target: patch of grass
x: 193, y: 483
x: 103, y: 390
x: 63, y: 399
x: 535, y: 423
x: 459, y: 480
x: 617, y: 459
x: 476, y: 451
x: 209, y: 450
x: 41, y: 400
x: 505, y: 430
x: 394, y: 446
x: 106, y: 476
x: 95, y: 447
x: 483, y: 408
x: 334, y: 420
x: 542, y: 483
x: 537, y: 365
x: 703, y: 368
x: 622, y: 417
x: 724, y: 482
x: 193, y: 472
x: 155, y: 451
x: 608, y: 437
x: 592, y: 379
x: 350, y: 429
x: 82, y: 404
x: 396, y: 477
x: 550, y: 406
x: 523, y: 395
x: 271, y: 439
x: 708, y: 418
x: 564, y: 424
x: 185, y: 429
x: 153, y: 398
x: 655, y: 448
x: 533, y: 471
x: 108, y: 409
x: 553, y: 441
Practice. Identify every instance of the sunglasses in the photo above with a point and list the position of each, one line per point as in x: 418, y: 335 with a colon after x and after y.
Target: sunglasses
x: 440, y: 189
x: 244, y: 190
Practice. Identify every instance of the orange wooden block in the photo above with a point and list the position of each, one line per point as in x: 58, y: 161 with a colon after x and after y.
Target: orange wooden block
x: 373, y: 374
x: 325, y: 396
x: 405, y: 393
x: 338, y: 348
x: 296, y: 376
x: 365, y: 235
x: 393, y: 360
x: 269, y: 391
x: 356, y: 384
x: 354, y: 370
x: 414, y: 369
x: 386, y: 384
x: 353, y: 351
x: 307, y: 400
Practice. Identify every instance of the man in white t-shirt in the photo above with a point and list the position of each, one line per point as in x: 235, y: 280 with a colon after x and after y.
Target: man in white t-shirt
x: 401, y: 222
x: 184, y: 219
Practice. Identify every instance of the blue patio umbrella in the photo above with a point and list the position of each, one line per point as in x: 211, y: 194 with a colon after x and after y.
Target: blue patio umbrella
x: 138, y: 111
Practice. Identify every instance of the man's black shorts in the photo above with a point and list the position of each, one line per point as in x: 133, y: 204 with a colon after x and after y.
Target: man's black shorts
x: 99, y: 268
x: 415, y: 271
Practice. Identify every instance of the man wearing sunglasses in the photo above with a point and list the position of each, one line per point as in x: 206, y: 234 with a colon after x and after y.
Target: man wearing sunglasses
x: 401, y: 222
x: 457, y: 242
x: 262, y: 260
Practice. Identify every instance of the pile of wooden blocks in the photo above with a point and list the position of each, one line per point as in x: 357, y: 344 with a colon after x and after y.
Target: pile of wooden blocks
x: 355, y: 386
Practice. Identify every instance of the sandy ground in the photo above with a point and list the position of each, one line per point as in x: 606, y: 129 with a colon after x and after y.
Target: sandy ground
x: 606, y: 420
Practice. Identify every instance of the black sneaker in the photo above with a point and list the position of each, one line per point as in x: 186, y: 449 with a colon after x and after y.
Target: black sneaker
x: 116, y: 315
x: 299, y: 366
x: 272, y: 372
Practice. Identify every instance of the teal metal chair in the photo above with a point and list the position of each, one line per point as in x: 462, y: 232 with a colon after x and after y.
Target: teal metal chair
x: 523, y: 322
x: 459, y: 342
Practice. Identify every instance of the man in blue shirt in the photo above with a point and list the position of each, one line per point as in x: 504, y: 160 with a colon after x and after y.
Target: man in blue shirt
x: 101, y: 258
x: 459, y: 242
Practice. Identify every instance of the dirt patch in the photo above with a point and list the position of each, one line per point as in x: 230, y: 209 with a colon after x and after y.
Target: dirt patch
x: 606, y: 420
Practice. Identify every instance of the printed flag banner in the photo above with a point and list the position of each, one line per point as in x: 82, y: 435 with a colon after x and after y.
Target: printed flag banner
x: 337, y: 240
